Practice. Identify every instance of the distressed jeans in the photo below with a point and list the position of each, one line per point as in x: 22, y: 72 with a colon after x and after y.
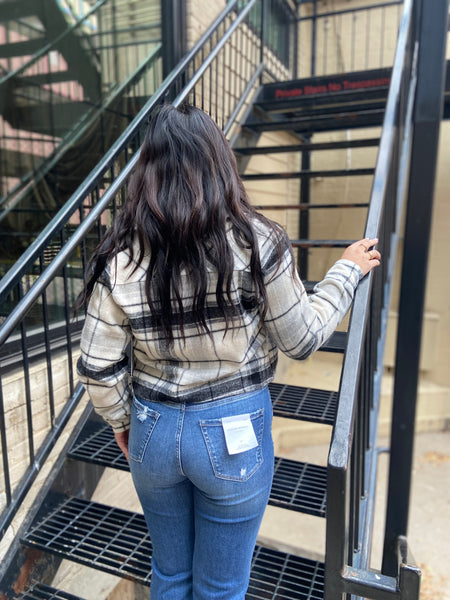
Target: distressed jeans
x: 203, y: 506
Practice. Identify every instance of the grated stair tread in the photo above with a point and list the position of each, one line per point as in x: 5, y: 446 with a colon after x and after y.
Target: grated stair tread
x: 299, y: 486
x: 306, y: 146
x: 116, y: 541
x: 332, y: 122
x: 40, y: 591
x: 336, y: 343
x: 302, y: 403
x: 296, y: 485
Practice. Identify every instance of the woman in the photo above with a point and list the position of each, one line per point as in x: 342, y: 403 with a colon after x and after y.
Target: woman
x: 206, y: 291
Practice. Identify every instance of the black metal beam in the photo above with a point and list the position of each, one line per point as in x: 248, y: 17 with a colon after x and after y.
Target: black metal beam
x: 306, y: 174
x: 427, y: 117
x: 26, y: 48
x: 17, y: 9
x: 303, y: 220
x: 338, y: 145
x: 173, y: 17
x: 332, y: 122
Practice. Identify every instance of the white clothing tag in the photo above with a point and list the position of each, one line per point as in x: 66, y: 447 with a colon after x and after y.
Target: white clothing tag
x: 239, y: 433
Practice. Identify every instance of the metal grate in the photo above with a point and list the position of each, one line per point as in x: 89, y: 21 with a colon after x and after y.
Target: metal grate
x: 97, y: 445
x: 40, y: 591
x: 299, y: 486
x: 306, y: 404
x: 99, y: 536
x: 116, y: 541
x: 280, y: 576
x: 336, y: 343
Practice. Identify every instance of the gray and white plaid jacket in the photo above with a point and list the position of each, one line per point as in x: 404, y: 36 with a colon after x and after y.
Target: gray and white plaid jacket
x: 202, y: 367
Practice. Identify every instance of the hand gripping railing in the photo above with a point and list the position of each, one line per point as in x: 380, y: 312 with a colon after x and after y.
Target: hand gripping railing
x: 352, y: 459
x: 217, y: 74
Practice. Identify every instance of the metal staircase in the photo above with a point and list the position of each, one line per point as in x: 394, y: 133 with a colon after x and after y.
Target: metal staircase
x: 65, y: 522
x: 65, y: 97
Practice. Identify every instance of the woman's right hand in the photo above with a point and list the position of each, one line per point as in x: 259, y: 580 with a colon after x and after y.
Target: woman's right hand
x: 359, y: 252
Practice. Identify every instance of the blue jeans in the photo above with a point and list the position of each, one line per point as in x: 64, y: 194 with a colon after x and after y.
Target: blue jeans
x: 203, y: 506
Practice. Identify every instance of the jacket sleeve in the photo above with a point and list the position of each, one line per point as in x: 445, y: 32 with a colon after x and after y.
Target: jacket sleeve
x: 299, y: 324
x: 103, y: 364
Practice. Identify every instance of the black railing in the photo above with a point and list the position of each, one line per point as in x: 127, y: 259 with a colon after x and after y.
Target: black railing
x: 331, y: 42
x: 352, y: 461
x: 218, y: 74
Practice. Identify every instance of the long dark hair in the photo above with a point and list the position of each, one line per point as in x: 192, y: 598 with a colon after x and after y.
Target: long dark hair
x: 184, y: 193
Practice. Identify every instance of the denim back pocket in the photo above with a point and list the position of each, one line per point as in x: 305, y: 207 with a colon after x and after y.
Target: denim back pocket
x: 234, y: 467
x: 143, y: 421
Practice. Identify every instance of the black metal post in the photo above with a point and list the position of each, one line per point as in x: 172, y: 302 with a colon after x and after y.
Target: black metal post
x: 263, y: 35
x: 173, y: 18
x: 296, y: 36
x: 432, y: 30
x: 313, y: 41
x: 305, y: 188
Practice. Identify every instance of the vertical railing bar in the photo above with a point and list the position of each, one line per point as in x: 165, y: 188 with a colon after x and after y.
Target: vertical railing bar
x: 48, y: 355
x: 357, y: 448
x: 95, y: 192
x: 313, y: 39
x: 296, y: 26
x: 4, y: 446
x: 263, y: 34
x: 229, y: 78
x: 223, y: 78
x: 202, y: 83
x: 67, y: 319
x: 216, y: 84
x: 26, y: 370
x: 367, y: 38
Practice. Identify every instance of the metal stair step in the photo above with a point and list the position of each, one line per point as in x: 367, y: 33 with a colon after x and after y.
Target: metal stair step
x: 306, y: 206
x: 116, y: 541
x: 338, y: 145
x: 299, y: 486
x: 296, y: 485
x: 302, y: 403
x: 335, y: 122
x: 326, y: 105
x: 40, y: 591
x: 279, y: 576
x: 336, y: 343
x: 102, y: 537
x: 96, y: 444
x: 305, y: 174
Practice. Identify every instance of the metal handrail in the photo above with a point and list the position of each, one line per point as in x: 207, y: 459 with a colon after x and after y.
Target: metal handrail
x: 350, y: 372
x: 344, y: 573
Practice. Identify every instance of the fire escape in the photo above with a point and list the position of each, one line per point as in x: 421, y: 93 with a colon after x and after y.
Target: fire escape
x: 249, y: 79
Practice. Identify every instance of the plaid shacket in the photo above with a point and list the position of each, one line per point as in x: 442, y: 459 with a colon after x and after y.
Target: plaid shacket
x: 203, y: 367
